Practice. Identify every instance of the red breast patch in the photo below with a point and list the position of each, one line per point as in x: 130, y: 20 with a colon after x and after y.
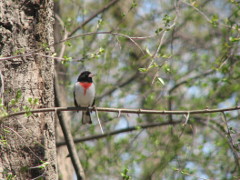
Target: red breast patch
x: 85, y: 85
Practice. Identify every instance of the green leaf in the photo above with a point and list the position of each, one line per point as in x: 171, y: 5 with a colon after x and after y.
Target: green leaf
x: 101, y: 50
x: 214, y: 20
x: 66, y: 59
x: 138, y: 127
x: 195, y: 3
x: 167, y: 19
x: 12, y: 102
x: 30, y: 100
x: 134, y: 4
x: 45, y: 46
x: 54, y: 54
x: 69, y: 44
x: 100, y: 21
x: 175, y: 169
x: 19, y: 51
x: 167, y: 56
x: 35, y: 101
x: 148, y: 52
x: 232, y: 131
x: 161, y: 80
x: 142, y: 69
x: 5, y: 130
x: 18, y: 94
x: 232, y: 39
x: 125, y: 175
x: 158, y: 30
x: 27, y: 109
x: 154, y: 65
x: 166, y: 68
x: 43, y: 166
x: 123, y: 14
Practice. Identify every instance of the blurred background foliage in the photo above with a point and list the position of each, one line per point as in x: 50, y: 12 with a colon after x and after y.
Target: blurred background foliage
x: 187, y: 58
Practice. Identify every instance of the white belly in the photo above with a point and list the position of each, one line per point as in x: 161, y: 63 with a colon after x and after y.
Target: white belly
x: 84, y: 98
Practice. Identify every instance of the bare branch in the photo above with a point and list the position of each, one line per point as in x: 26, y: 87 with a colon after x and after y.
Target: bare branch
x: 34, y: 52
x: 207, y: 18
x: 127, y: 81
x: 222, y: 133
x: 72, y: 150
x: 17, y: 56
x: 132, y: 128
x: 107, y: 6
x: 107, y: 32
x: 123, y: 110
x: 20, y: 137
x: 235, y: 151
x: 191, y: 79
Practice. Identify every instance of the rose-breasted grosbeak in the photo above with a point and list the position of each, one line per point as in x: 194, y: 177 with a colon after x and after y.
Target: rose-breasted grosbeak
x: 84, y: 94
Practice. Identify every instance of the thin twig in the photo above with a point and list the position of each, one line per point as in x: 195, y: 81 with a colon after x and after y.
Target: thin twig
x: 23, y: 141
x: 198, y: 10
x: 1, y: 87
x: 99, y: 122
x: 221, y: 132
x: 187, y: 118
x: 158, y: 49
x: 105, y: 32
x: 40, y: 176
x: 161, y: 43
x: 189, y: 174
x: 17, y: 56
x: 126, y: 81
x: 72, y: 37
x: 107, y: 6
x: 63, y: 47
x: 181, y: 82
x: 185, y: 123
x: 235, y: 153
x: 207, y: 18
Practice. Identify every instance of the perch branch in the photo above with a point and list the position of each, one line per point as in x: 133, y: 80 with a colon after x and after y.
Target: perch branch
x: 123, y: 110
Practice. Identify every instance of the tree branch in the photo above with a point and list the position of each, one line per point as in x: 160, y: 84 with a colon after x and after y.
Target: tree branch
x: 132, y: 128
x: 34, y: 52
x: 127, y: 81
x: 229, y: 137
x: 123, y: 110
x: 222, y: 134
x: 72, y: 150
x: 191, y: 79
x: 108, y: 32
x: 107, y: 6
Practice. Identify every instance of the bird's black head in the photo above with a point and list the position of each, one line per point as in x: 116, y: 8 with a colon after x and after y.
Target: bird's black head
x: 85, y: 76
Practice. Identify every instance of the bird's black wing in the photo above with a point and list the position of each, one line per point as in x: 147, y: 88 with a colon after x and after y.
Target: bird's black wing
x: 75, y: 102
x: 93, y: 102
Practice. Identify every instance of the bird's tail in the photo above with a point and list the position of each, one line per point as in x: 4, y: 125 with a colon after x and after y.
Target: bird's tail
x: 86, y: 118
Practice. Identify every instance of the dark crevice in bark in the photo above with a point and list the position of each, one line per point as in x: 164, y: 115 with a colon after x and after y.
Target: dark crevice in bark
x: 31, y: 9
x: 6, y: 25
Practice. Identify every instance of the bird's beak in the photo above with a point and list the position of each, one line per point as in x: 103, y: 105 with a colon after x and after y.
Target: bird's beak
x: 91, y: 75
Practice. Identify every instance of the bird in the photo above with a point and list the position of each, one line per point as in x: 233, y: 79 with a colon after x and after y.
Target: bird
x: 84, y: 94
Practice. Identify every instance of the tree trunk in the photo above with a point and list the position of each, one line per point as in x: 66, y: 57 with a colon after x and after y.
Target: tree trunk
x: 27, y: 143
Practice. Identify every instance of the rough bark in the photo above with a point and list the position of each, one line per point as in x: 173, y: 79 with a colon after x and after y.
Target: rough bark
x: 29, y: 142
